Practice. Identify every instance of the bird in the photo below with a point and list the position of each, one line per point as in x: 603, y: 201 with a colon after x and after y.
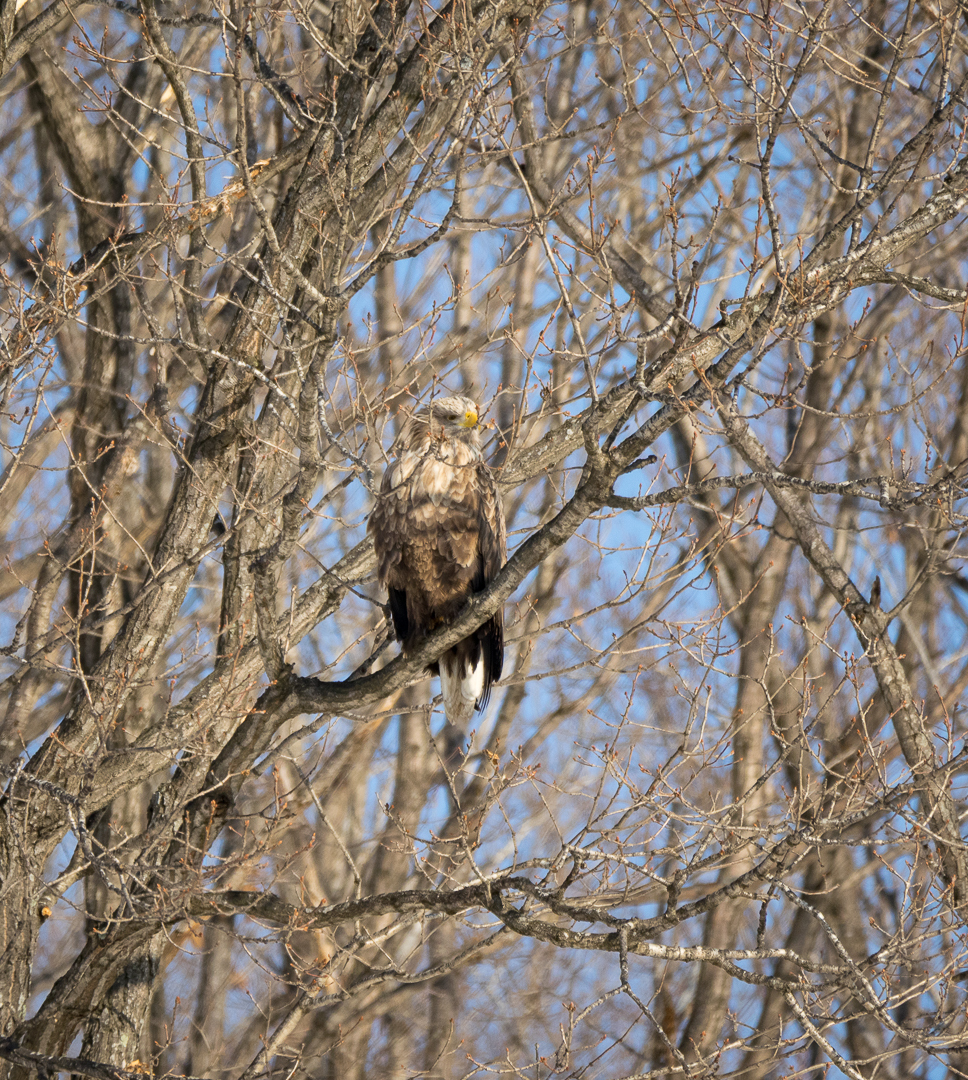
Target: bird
x: 440, y: 537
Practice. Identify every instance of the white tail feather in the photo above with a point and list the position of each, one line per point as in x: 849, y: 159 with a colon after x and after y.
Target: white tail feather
x: 460, y: 694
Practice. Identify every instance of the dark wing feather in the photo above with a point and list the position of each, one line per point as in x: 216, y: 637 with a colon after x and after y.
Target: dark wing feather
x: 398, y: 612
x: 492, y: 547
x: 388, y: 532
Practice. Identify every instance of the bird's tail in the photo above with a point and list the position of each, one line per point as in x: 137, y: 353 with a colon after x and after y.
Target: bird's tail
x: 461, y: 684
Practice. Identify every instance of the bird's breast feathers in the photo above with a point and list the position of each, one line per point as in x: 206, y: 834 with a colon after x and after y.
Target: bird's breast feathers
x: 444, y: 476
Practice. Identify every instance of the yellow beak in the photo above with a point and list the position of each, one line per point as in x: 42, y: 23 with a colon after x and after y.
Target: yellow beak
x: 470, y: 419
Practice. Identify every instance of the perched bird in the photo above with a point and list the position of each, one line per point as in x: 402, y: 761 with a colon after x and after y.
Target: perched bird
x: 439, y: 533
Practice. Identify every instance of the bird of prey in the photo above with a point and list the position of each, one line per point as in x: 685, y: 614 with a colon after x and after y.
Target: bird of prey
x: 439, y: 533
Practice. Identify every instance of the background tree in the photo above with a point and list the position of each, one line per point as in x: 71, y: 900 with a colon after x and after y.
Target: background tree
x: 702, y: 266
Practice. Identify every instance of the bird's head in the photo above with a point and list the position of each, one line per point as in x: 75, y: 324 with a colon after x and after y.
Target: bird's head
x: 447, y: 418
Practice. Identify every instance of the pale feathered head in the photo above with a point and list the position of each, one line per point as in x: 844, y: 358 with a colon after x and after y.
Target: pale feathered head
x: 448, y: 418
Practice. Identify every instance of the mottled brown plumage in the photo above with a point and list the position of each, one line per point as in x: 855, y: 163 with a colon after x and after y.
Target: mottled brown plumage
x: 439, y: 533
